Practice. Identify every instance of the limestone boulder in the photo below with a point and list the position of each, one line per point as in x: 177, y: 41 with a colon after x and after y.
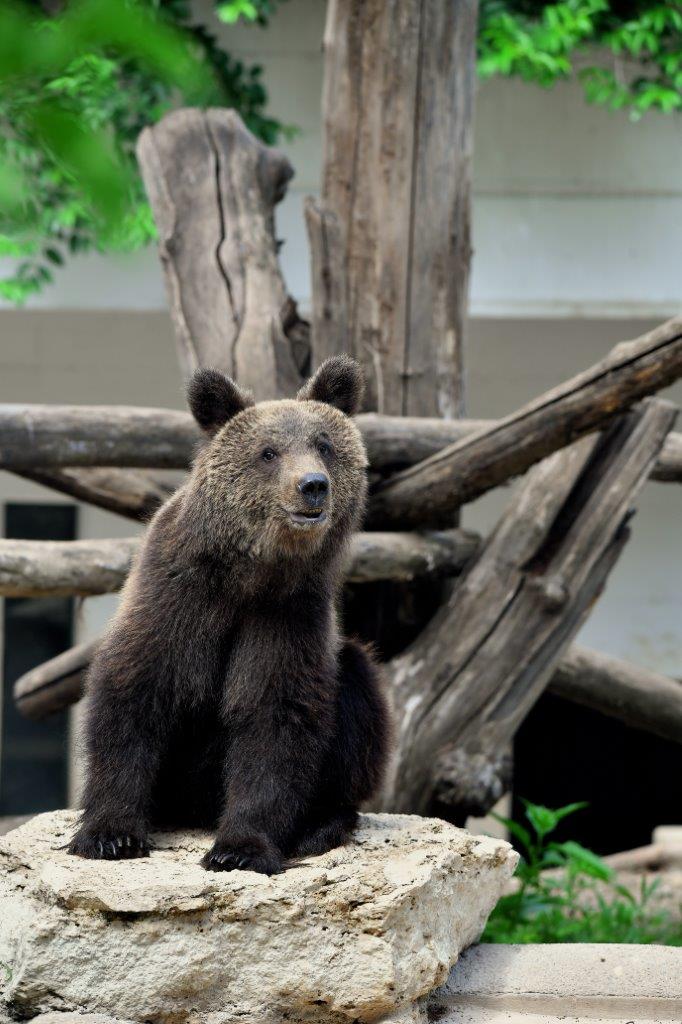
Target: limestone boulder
x: 358, y: 934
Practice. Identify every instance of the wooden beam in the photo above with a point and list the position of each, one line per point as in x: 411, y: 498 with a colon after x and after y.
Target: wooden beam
x: 56, y: 684
x: 128, y: 492
x: 213, y: 188
x: 397, y: 114
x: 430, y: 492
x: 395, y: 442
x: 42, y: 568
x: 40, y: 437
x: 51, y: 568
x: 45, y: 437
x: 481, y: 663
x: 636, y: 696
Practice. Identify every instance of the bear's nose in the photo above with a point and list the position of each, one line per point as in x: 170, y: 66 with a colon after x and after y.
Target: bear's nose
x: 314, y: 487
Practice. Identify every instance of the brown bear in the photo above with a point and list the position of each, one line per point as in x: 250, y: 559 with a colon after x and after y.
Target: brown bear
x: 223, y: 695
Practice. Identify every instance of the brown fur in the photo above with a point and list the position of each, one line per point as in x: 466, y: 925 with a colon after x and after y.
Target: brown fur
x: 223, y: 695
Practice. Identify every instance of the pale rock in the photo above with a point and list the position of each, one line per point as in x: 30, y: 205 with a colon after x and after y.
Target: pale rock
x: 359, y: 934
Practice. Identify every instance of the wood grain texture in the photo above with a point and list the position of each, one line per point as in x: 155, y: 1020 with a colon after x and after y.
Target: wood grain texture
x: 44, y: 437
x: 430, y: 492
x: 41, y: 568
x: 213, y: 188
x: 130, y: 493
x: 397, y: 108
x: 481, y: 663
x: 38, y: 437
x: 56, y: 684
x: 51, y: 568
x: 634, y: 695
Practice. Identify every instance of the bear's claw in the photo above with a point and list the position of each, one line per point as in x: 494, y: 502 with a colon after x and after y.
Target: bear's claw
x: 108, y: 845
x: 255, y: 856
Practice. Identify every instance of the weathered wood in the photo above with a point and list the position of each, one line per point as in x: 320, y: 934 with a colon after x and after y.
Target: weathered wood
x: 397, y: 106
x: 128, y: 492
x: 213, y: 188
x: 395, y: 442
x: 329, y: 285
x: 45, y: 436
x: 56, y: 684
x: 407, y: 556
x: 42, y: 437
x: 483, y: 660
x: 50, y: 568
x: 431, y: 491
x: 41, y: 568
x: 636, y: 696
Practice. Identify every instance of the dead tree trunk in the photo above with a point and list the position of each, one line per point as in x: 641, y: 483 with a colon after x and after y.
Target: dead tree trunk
x: 482, y: 662
x: 390, y: 234
x: 433, y: 490
x: 213, y: 188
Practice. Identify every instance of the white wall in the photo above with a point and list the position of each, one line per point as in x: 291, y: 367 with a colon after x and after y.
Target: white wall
x: 576, y: 209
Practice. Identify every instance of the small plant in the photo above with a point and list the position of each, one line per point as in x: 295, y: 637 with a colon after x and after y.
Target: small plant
x: 567, y: 893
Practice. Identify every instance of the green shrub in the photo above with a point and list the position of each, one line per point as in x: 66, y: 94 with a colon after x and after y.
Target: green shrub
x: 569, y: 894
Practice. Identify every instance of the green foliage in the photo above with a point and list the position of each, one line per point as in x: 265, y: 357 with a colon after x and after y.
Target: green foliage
x: 75, y: 92
x: 579, y: 901
x: 634, y: 48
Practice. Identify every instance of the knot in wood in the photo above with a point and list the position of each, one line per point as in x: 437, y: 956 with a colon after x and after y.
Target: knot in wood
x: 552, y: 591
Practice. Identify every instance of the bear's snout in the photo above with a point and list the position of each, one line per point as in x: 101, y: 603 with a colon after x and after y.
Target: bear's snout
x: 314, y: 489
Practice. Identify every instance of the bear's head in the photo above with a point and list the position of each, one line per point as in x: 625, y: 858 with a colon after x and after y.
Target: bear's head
x: 285, y: 477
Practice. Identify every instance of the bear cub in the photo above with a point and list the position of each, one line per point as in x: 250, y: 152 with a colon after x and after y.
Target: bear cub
x: 223, y: 696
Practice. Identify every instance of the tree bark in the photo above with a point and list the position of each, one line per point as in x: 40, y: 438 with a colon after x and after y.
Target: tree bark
x: 45, y: 568
x: 636, y: 696
x: 56, y: 684
x: 431, y: 491
x: 395, y: 442
x: 213, y: 188
x: 129, y: 493
x: 40, y: 437
x: 394, y: 210
x: 53, y: 568
x: 482, y: 662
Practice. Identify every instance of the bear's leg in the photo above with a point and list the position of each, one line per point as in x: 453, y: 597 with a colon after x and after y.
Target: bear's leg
x: 124, y: 736
x: 355, y: 764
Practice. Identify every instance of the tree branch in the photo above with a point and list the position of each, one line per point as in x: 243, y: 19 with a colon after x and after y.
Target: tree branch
x: 431, y: 491
x: 481, y: 663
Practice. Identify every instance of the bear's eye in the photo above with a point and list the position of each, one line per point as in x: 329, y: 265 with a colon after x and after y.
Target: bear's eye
x: 324, y: 448
x: 268, y: 454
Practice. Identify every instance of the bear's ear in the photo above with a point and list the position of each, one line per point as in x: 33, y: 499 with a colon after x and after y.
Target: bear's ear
x: 339, y: 382
x: 214, y: 399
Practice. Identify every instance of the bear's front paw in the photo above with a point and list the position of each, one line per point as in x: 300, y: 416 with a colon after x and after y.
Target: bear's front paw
x: 253, y: 854
x: 108, y: 845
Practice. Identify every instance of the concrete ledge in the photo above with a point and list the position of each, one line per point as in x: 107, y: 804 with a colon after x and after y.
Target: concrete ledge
x: 575, y: 984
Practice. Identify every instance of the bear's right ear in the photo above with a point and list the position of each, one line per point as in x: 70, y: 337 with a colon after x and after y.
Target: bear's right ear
x: 214, y: 399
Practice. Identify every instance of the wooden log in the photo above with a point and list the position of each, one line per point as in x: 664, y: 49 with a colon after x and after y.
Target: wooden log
x: 42, y: 568
x: 213, y: 188
x: 130, y: 493
x: 483, y: 660
x: 43, y: 437
x: 49, y: 568
x: 636, y: 696
x: 395, y: 442
x: 397, y: 115
x: 47, y: 436
x: 329, y: 334
x: 56, y: 684
x: 431, y: 491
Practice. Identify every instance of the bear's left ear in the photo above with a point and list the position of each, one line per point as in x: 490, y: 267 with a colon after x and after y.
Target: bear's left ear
x: 338, y: 382
x: 214, y: 399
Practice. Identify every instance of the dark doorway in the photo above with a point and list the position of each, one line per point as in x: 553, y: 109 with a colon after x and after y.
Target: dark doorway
x: 564, y: 753
x: 34, y: 755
